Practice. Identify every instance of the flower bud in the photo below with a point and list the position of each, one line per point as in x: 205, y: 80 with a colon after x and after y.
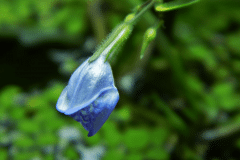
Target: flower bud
x: 90, y: 95
x: 149, y: 36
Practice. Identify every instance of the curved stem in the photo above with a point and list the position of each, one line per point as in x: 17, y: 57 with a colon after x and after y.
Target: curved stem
x: 142, y: 9
x: 114, y: 36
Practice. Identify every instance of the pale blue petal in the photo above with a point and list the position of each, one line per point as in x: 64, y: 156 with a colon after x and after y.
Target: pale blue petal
x: 93, y: 116
x: 90, y: 95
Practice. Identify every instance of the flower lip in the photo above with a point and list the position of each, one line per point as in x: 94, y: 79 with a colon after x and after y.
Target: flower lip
x: 70, y: 111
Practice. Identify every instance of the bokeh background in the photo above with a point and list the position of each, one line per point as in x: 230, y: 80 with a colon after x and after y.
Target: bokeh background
x: 181, y: 101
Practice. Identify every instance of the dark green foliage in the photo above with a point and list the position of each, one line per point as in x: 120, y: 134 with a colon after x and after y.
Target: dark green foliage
x: 181, y: 101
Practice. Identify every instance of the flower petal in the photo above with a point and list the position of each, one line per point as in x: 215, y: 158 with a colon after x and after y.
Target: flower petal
x: 93, y: 116
x: 90, y: 95
x: 85, y: 85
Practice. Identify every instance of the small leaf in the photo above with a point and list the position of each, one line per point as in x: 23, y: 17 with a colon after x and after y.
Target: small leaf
x: 162, y: 7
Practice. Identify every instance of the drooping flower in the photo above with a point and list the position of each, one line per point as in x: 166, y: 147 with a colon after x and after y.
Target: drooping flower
x: 90, y: 95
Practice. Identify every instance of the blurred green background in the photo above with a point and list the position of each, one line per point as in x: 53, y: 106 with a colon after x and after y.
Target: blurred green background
x: 181, y: 101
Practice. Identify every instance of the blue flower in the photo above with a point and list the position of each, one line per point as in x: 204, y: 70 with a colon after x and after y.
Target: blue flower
x: 90, y: 95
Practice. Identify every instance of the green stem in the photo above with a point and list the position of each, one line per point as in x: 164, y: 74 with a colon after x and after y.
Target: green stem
x: 172, y: 55
x: 141, y: 11
x: 120, y: 34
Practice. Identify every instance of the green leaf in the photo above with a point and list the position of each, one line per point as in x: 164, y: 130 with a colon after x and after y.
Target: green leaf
x: 135, y: 156
x: 52, y: 93
x: 190, y: 154
x: 28, y: 126
x: 71, y: 153
x: 124, y: 113
x: 195, y: 84
x: 24, y: 142
x: 136, y: 139
x: 8, y: 95
x: 225, y: 96
x: 159, y: 136
x: 162, y: 7
x: 31, y: 154
x: 157, y: 153
x: 3, y: 153
x: 111, y: 134
x: 233, y: 43
x: 93, y: 140
x: 118, y: 154
x: 46, y: 139
x: 203, y: 53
